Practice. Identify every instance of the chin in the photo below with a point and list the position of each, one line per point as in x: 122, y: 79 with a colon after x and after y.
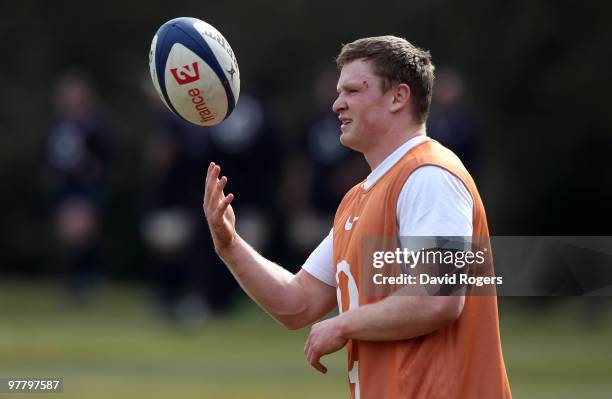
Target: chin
x: 348, y: 141
x: 345, y: 139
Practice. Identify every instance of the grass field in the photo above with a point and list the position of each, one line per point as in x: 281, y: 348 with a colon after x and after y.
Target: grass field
x: 117, y: 348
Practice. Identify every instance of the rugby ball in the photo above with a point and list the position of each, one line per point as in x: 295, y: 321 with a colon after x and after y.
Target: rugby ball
x: 194, y: 71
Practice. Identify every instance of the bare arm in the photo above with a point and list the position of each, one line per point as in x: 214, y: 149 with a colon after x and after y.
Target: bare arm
x: 411, y: 311
x: 396, y: 317
x: 400, y: 317
x: 293, y: 300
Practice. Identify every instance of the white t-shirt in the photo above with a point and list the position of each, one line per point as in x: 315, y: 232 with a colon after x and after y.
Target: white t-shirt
x: 433, y: 202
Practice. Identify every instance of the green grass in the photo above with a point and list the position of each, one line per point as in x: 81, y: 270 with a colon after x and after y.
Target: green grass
x: 117, y: 348
x: 555, y: 354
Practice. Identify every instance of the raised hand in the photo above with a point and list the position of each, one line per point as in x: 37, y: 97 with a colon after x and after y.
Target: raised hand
x: 217, y: 209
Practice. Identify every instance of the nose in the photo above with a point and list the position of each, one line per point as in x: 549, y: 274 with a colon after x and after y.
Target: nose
x: 339, y: 105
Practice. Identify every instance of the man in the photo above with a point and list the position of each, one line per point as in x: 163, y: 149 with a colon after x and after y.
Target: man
x: 399, y: 346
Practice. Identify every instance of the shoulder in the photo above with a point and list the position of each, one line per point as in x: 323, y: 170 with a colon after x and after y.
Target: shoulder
x: 320, y: 262
x: 433, y: 201
x: 431, y: 179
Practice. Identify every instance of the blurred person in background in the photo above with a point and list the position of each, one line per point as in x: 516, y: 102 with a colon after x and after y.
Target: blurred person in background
x: 248, y: 143
x: 454, y: 121
x: 77, y: 159
x: 326, y: 170
x: 178, y: 240
x: 174, y: 153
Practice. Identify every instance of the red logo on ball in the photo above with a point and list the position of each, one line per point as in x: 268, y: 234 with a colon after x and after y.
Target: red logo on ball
x: 187, y: 73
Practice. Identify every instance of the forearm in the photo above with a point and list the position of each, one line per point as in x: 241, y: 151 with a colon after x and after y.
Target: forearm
x: 399, y: 317
x: 267, y: 283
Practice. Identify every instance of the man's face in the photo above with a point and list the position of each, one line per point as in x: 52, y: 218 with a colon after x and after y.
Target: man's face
x: 361, y: 105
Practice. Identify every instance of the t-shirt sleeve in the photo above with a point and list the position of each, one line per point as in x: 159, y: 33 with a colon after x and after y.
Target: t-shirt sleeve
x: 434, y: 203
x: 320, y: 263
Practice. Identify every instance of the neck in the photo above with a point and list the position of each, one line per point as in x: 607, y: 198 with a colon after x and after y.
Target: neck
x: 390, y: 142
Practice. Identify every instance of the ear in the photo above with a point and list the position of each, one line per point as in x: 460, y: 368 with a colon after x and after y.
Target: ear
x: 401, y: 97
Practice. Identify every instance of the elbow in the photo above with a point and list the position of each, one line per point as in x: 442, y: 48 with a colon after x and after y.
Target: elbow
x: 448, y: 309
x: 291, y: 322
x: 293, y: 317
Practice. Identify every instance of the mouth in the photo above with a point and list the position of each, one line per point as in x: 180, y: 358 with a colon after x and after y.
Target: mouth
x: 345, y: 122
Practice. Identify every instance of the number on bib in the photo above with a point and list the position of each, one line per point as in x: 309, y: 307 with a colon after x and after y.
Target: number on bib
x: 353, y: 303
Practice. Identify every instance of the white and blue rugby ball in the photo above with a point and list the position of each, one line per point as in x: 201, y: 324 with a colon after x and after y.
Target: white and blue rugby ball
x: 194, y: 71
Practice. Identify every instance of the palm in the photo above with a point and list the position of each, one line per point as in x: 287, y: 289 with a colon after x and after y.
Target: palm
x: 229, y: 222
x: 219, y: 213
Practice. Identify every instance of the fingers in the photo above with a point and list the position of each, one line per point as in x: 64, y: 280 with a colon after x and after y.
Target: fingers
x: 313, y: 356
x: 208, y: 171
x: 217, y: 191
x: 315, y: 361
x: 211, y: 177
x: 317, y: 365
x: 225, y: 203
x: 214, y: 200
